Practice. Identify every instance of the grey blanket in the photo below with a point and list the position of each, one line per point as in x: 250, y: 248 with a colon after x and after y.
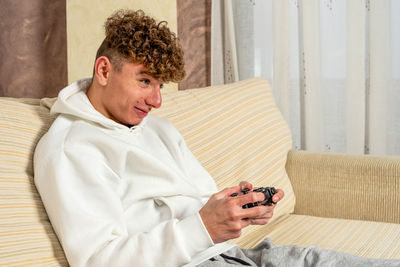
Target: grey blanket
x: 267, y: 254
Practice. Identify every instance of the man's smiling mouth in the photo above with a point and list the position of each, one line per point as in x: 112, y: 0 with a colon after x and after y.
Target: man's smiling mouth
x: 141, y: 111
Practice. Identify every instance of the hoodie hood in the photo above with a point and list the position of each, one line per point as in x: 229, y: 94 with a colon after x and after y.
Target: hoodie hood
x: 72, y: 100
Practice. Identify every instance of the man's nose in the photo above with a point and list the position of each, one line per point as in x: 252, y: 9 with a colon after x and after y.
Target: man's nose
x: 155, y: 99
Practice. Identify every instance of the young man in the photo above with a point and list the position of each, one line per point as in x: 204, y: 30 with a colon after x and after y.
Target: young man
x: 120, y: 186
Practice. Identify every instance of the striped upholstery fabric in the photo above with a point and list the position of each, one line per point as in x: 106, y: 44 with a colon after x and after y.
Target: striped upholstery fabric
x: 362, y: 238
x: 26, y: 236
x: 236, y: 132
x: 358, y: 187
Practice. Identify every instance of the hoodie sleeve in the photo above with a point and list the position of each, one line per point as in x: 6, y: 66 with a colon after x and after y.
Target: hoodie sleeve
x: 88, y: 217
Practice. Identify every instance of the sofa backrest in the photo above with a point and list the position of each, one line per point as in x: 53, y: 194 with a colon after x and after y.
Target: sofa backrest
x: 235, y: 130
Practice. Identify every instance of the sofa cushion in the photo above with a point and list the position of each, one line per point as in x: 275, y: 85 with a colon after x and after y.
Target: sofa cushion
x: 237, y: 133
x: 26, y: 236
x: 361, y: 238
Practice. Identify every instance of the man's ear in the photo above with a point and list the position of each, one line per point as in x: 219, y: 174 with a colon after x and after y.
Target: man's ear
x: 102, y: 68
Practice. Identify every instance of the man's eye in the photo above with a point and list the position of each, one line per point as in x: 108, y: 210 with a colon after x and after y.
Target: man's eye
x: 145, y: 81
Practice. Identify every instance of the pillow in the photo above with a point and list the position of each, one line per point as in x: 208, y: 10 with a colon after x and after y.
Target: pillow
x: 26, y: 235
x: 236, y: 132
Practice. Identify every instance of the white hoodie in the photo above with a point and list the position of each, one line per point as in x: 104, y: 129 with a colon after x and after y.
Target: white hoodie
x: 119, y: 196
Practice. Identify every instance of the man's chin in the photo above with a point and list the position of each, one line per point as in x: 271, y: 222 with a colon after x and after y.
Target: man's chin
x: 134, y: 122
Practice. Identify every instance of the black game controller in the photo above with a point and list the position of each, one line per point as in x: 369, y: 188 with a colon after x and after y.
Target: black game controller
x: 268, y: 193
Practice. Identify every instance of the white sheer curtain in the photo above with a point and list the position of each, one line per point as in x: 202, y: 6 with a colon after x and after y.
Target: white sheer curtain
x: 334, y: 66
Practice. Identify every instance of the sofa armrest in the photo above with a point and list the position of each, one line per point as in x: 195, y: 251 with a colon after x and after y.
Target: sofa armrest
x: 359, y: 187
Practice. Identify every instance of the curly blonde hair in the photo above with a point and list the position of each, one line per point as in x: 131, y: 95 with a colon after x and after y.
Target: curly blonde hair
x: 132, y: 36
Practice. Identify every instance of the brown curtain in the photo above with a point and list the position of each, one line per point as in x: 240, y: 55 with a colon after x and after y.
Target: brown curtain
x: 33, y: 48
x: 194, y: 31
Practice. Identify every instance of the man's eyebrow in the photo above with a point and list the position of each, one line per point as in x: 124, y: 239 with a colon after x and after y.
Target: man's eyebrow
x: 148, y: 74
x: 144, y: 72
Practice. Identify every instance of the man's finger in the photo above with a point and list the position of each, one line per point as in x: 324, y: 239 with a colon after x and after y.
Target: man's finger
x: 250, y: 197
x: 278, y: 195
x: 254, y: 212
x: 259, y: 221
x: 227, y: 192
x: 245, y: 185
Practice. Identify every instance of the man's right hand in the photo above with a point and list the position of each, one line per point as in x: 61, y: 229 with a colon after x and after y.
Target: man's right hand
x: 224, y: 217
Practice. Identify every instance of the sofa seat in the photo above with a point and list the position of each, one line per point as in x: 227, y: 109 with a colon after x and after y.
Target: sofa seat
x: 361, y: 238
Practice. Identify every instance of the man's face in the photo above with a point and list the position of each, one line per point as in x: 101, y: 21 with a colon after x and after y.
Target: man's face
x: 130, y: 94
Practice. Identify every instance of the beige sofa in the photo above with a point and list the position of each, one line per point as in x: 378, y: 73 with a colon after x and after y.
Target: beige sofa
x: 342, y: 202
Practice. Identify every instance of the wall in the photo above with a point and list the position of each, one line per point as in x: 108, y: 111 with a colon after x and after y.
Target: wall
x: 85, y: 31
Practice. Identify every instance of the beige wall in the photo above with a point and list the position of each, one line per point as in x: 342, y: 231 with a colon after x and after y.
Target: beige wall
x: 85, y: 32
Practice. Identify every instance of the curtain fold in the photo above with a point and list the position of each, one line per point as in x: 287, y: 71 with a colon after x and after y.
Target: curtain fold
x: 33, y: 48
x: 334, y: 66
x: 217, y: 45
x: 281, y: 59
x: 224, y: 65
x: 310, y: 79
x: 231, y: 65
x: 194, y: 25
x: 356, y: 21
x: 380, y: 74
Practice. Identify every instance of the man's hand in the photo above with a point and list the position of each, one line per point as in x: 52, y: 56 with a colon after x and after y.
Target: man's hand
x: 224, y: 217
x: 270, y: 212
